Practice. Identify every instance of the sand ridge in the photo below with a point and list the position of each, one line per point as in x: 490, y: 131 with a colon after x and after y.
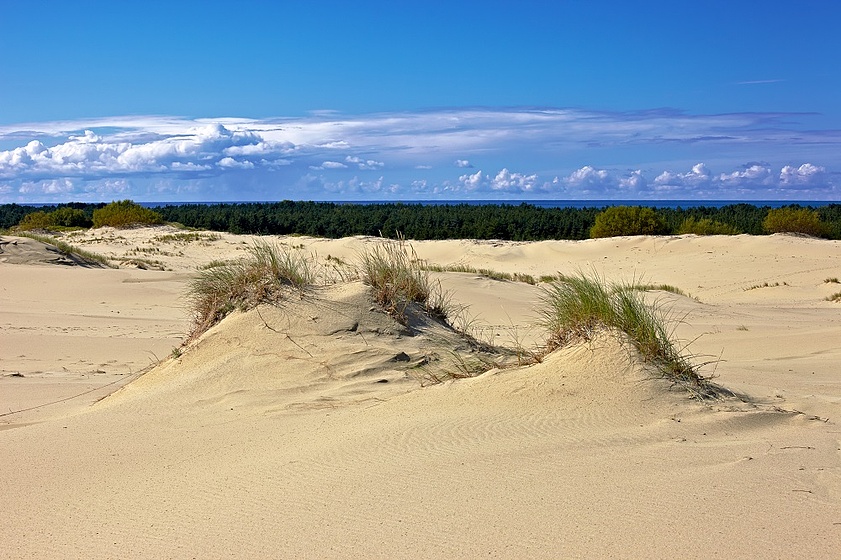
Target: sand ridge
x: 304, y: 430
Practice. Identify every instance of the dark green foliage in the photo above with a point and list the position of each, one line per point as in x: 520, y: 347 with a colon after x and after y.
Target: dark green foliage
x: 71, y: 217
x: 523, y: 222
x: 125, y: 213
x: 830, y: 215
x: 705, y: 226
x: 628, y: 220
x: 73, y: 214
x: 414, y: 221
x: 37, y: 220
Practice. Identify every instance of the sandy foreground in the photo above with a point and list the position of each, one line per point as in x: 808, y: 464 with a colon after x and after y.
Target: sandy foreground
x: 312, y: 429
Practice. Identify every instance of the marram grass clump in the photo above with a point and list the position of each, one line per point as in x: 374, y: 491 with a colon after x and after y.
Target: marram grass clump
x: 269, y: 271
x: 398, y: 279
x: 577, y: 307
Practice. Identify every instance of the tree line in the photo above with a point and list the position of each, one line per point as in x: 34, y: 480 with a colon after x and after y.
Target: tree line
x: 516, y: 222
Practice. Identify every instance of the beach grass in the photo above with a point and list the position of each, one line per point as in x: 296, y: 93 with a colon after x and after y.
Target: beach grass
x: 579, y: 306
x: 657, y: 287
x: 188, y: 237
x: 67, y: 249
x: 398, y: 279
x: 488, y: 273
x: 765, y: 285
x: 263, y: 276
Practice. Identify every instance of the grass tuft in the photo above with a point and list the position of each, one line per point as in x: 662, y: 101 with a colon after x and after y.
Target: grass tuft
x: 577, y: 307
x: 659, y: 287
x: 765, y: 285
x: 262, y: 277
x: 488, y: 273
x: 398, y: 279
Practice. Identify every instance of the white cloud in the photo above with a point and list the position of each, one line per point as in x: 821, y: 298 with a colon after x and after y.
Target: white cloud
x: 503, y: 182
x: 588, y: 177
x: 634, y: 182
x: 516, y: 182
x: 475, y: 181
x: 807, y: 175
x: 231, y: 163
x: 329, y: 165
x: 463, y: 163
x: 699, y: 176
x: 352, y: 187
x: 752, y: 175
x: 366, y: 164
x: 87, y: 137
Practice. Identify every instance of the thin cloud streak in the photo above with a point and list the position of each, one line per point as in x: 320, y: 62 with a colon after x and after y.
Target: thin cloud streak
x: 758, y: 82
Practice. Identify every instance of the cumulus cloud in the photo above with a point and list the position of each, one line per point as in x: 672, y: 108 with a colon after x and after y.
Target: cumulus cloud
x: 91, y: 156
x: 633, y: 182
x: 807, y: 175
x: 698, y: 177
x: 474, y: 181
x: 463, y: 163
x: 753, y: 175
x: 588, y: 177
x: 517, y: 182
x: 87, y: 136
x: 503, y: 181
x: 367, y: 164
x: 330, y: 165
x: 231, y: 163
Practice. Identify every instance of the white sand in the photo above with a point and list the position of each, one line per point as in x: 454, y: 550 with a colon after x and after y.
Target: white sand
x: 303, y: 431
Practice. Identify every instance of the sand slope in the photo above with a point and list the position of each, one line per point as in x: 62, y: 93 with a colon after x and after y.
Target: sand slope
x: 304, y: 431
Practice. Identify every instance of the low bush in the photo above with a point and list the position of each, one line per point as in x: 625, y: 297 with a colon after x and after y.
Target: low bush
x: 628, y: 220
x: 63, y: 217
x: 794, y: 220
x: 36, y: 220
x: 125, y: 213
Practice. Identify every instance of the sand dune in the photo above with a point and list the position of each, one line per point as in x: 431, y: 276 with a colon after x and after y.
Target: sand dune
x: 310, y: 429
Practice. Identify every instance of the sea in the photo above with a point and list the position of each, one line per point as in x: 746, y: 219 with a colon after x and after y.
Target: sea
x: 673, y: 204
x: 595, y: 203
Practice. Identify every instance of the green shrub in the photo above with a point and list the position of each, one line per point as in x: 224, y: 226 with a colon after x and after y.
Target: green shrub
x: 70, y: 217
x: 125, y: 213
x: 628, y: 220
x: 794, y: 220
x: 705, y: 226
x: 37, y: 220
x: 63, y: 217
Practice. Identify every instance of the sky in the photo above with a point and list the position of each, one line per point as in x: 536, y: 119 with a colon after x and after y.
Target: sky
x: 435, y: 100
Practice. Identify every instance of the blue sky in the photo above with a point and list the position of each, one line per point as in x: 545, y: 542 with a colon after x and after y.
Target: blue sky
x: 182, y: 100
